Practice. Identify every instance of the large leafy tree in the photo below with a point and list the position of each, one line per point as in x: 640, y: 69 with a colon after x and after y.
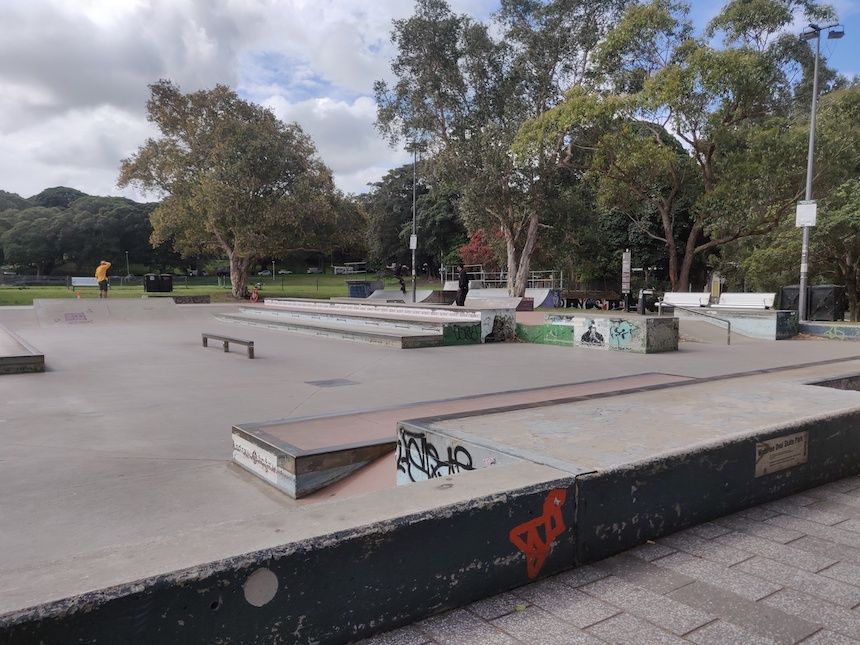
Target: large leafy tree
x: 465, y: 88
x: 702, y: 135
x: 234, y: 179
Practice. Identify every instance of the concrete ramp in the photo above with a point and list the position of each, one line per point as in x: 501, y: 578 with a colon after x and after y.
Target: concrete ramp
x: 73, y: 311
x: 541, y: 297
x: 395, y: 295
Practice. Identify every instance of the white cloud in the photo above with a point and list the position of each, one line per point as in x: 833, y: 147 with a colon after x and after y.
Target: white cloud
x: 74, y: 76
x: 345, y: 137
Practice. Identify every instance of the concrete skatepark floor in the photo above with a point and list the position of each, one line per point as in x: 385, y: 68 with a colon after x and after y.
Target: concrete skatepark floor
x: 116, y: 461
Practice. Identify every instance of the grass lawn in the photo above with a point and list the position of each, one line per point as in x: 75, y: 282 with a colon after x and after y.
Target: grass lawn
x: 287, y: 286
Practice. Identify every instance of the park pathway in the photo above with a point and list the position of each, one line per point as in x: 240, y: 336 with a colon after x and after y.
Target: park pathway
x: 784, y: 572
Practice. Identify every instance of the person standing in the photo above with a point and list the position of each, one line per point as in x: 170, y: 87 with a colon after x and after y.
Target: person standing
x: 397, y: 269
x: 101, y: 277
x: 462, y: 285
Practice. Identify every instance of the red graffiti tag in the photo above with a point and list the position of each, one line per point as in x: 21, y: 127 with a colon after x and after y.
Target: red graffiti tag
x: 527, y: 536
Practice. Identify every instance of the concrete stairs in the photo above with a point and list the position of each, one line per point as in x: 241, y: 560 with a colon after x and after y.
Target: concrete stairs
x: 400, y: 327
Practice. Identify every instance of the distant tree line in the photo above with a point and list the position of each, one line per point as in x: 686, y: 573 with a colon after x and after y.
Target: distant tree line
x: 63, y: 227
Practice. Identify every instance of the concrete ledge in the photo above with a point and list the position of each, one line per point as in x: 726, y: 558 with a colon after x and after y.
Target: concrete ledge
x: 17, y: 356
x: 767, y: 324
x: 831, y: 330
x: 638, y: 335
x: 334, y: 588
x: 297, y: 471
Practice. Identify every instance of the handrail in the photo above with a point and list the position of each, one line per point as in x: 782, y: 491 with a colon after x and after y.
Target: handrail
x: 700, y: 313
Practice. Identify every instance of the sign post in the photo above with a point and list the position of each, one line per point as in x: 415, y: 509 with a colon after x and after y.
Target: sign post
x: 626, y: 259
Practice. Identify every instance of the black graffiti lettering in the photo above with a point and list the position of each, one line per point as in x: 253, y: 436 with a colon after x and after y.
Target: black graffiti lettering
x: 419, y: 459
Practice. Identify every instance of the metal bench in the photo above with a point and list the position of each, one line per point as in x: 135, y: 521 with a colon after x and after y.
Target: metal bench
x: 746, y: 301
x: 84, y: 282
x: 227, y: 340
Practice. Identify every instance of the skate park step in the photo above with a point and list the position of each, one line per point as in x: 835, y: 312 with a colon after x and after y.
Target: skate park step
x: 392, y: 325
x: 17, y: 356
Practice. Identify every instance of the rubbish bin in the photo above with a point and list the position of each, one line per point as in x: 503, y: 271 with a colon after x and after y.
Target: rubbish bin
x: 789, y: 297
x: 646, y: 302
x: 166, y: 282
x: 358, y: 288
x: 826, y: 302
x: 152, y: 283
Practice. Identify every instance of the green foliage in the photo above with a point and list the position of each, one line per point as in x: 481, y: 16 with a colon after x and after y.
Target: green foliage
x: 234, y: 179
x: 81, y: 233
x: 465, y: 88
x: 733, y: 166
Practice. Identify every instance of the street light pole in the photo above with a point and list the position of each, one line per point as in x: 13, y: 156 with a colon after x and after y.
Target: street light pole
x: 813, y: 33
x: 413, y: 241
x: 127, y: 270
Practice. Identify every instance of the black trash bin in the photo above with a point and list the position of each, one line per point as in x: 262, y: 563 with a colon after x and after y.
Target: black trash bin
x: 789, y: 297
x: 166, y: 282
x: 647, y: 302
x: 152, y: 283
x: 826, y: 302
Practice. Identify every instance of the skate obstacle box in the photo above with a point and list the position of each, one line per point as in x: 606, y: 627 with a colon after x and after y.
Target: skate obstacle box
x: 376, y: 321
x: 640, y: 335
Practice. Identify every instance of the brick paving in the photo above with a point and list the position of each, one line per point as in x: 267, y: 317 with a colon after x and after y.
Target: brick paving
x: 784, y: 572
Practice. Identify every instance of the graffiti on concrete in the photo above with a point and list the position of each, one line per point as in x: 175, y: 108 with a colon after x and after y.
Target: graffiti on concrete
x: 592, y: 337
x: 620, y: 333
x: 527, y: 536
x: 503, y: 330
x: 461, y: 334
x: 419, y: 459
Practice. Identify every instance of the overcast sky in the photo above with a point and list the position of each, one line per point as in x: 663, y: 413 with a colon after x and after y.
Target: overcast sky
x: 74, y: 76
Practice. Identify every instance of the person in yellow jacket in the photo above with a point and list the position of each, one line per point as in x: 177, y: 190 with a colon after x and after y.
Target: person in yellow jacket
x: 101, y: 277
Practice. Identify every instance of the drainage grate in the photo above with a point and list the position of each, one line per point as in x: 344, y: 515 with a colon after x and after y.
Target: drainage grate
x: 332, y: 382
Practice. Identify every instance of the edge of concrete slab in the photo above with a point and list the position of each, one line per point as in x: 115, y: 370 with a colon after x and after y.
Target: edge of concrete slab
x: 371, y: 576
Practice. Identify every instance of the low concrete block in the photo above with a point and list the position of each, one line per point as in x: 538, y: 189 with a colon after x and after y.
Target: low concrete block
x: 639, y: 335
x: 766, y: 324
x: 335, y: 588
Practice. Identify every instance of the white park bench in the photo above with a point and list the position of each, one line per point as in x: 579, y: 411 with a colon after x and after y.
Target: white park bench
x: 746, y: 301
x: 84, y: 282
x: 686, y: 299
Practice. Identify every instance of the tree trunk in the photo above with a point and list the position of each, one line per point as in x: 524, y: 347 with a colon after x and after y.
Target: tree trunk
x: 683, y: 283
x: 239, y: 274
x: 522, y: 278
x: 519, y: 260
x: 851, y: 292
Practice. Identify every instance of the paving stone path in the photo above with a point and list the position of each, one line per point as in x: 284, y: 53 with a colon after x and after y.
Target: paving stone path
x: 784, y: 572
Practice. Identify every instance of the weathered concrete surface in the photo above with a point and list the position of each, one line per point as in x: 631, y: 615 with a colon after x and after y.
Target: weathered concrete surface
x: 17, y: 356
x: 770, y: 324
x: 782, y: 572
x: 430, y: 548
x: 642, y: 335
x: 831, y: 330
x: 271, y: 449
x: 116, y: 460
x: 650, y: 463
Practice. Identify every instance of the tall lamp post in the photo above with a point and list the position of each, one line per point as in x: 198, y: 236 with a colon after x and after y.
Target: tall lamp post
x: 413, y: 239
x: 813, y: 32
x: 127, y: 270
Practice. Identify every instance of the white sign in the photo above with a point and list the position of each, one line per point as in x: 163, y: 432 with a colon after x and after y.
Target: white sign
x: 625, y: 272
x: 778, y: 454
x: 807, y: 212
x: 413, y: 242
